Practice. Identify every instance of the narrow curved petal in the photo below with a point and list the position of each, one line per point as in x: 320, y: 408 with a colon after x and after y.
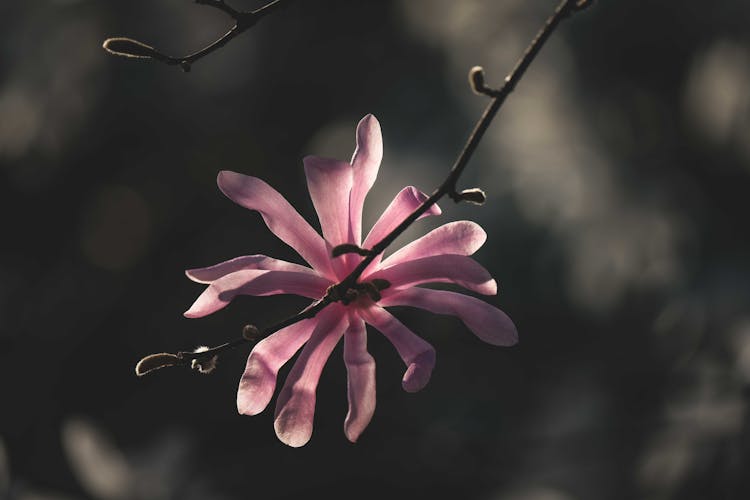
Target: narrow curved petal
x: 418, y: 355
x: 405, y: 202
x: 365, y: 166
x: 330, y: 184
x: 212, y: 273
x: 458, y: 269
x: 280, y: 217
x: 259, y: 379
x: 458, y: 238
x: 360, y: 370
x: 256, y: 282
x: 295, y: 406
x: 487, y: 322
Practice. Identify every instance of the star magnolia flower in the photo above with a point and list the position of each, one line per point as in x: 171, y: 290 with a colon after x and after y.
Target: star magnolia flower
x: 338, y: 190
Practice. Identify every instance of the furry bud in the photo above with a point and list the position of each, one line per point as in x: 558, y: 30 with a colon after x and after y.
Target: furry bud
x: 204, y: 366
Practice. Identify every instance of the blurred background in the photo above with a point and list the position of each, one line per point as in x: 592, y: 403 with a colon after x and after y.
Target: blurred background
x: 618, y: 177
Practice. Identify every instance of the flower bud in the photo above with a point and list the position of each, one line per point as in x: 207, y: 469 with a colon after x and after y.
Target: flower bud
x: 476, y: 80
x: 250, y: 332
x: 127, y: 47
x: 156, y: 361
x: 473, y: 195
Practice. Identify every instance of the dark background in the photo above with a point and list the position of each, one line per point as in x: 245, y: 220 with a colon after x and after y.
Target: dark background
x: 617, y: 175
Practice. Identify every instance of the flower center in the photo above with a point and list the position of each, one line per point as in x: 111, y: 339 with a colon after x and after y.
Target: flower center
x: 365, y: 292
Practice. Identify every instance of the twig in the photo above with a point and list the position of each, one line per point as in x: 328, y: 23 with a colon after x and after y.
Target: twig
x: 448, y: 187
x: 339, y: 292
x: 128, y: 47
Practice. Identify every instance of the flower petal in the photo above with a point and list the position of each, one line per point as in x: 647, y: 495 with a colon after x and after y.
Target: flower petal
x: 295, y: 406
x: 212, y: 273
x: 259, y: 379
x: 330, y: 184
x: 256, y: 282
x: 487, y: 322
x: 280, y: 217
x: 360, y: 370
x: 458, y: 269
x: 365, y: 166
x: 458, y: 238
x: 418, y: 355
x: 405, y: 202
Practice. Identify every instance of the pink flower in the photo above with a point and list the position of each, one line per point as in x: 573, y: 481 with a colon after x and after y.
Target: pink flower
x: 338, y: 191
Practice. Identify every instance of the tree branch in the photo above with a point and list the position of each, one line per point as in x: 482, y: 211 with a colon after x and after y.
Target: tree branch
x: 339, y: 292
x: 448, y: 187
x: 128, y: 47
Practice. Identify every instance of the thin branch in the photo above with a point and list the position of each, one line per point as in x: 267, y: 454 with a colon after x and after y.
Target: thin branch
x: 249, y: 334
x: 220, y: 5
x: 127, y: 47
x: 341, y: 291
x: 448, y: 187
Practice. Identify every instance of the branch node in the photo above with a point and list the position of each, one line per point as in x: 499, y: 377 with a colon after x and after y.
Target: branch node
x: 333, y: 293
x: 476, y: 81
x: 246, y: 20
x: 204, y: 365
x: 250, y: 332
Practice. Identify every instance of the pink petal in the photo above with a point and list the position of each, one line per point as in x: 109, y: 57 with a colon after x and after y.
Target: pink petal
x: 330, y: 184
x: 212, y: 273
x: 259, y: 283
x: 360, y: 369
x: 459, y: 238
x: 457, y: 269
x: 365, y: 165
x: 295, y: 405
x: 487, y: 322
x: 280, y: 217
x: 402, y: 205
x: 268, y: 356
x: 418, y: 355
